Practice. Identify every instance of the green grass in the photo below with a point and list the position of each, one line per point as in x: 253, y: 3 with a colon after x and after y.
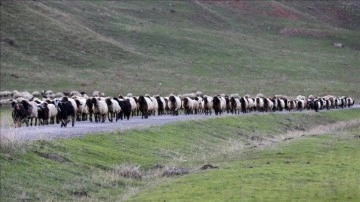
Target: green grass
x: 56, y: 170
x: 315, y: 168
x: 132, y: 46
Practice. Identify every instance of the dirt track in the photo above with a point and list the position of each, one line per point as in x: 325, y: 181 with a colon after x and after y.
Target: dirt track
x: 51, y: 132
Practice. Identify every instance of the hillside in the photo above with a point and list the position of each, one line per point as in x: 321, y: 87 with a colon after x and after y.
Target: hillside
x: 272, y: 47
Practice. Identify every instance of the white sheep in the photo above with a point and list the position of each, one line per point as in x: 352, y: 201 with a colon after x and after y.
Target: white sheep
x: 113, y: 109
x: 100, y: 109
x: 82, y: 110
x: 34, y: 112
x: 174, y: 104
x: 52, y: 112
x: 154, y: 108
x: 133, y: 103
x: 259, y: 103
x: 251, y: 103
x: 188, y: 105
x: 268, y: 105
x: 207, y: 104
x: 281, y: 104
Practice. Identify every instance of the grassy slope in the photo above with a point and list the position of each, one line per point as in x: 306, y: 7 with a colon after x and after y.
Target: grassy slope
x: 132, y: 46
x: 315, y: 168
x: 89, y: 164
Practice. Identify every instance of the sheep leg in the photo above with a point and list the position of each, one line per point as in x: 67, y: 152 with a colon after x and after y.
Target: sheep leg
x: 62, y: 123
x: 90, y: 116
x: 110, y: 117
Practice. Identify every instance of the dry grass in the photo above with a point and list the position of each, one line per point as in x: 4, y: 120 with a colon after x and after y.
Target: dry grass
x: 128, y: 171
x: 10, y: 141
x: 320, y: 130
x: 6, y: 121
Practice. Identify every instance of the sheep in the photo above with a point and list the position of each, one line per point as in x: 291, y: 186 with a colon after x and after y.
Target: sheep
x: 16, y: 95
x: 20, y: 112
x: 96, y: 93
x: 72, y: 101
x: 301, y: 105
x: 188, y: 105
x: 341, y: 101
x: 251, y: 103
x: 208, y: 104
x: 52, y: 112
x: 113, y: 109
x: 100, y: 109
x: 43, y: 113
x: 90, y: 106
x: 64, y: 99
x: 48, y: 94
x: 219, y: 104
x: 281, y: 104
x: 36, y: 93
x: 145, y: 106
x: 161, y: 104
x: 196, y: 104
x: 275, y: 104
x: 227, y: 104
x: 82, y: 108
x: 300, y: 97
x: 200, y: 103
x: 75, y: 93
x: 350, y: 102
x: 155, y: 106
x: 32, y: 109
x: 167, y: 109
x: 331, y: 98
x: 133, y: 103
x: 5, y: 94
x: 174, y: 104
x: 244, y: 105
x: 5, y: 102
x: 268, y: 105
x: 235, y: 105
x: 315, y: 104
x: 125, y: 107
x: 291, y: 105
x: 259, y: 103
x: 33, y: 112
x: 66, y: 112
x: 84, y: 95
x: 59, y: 94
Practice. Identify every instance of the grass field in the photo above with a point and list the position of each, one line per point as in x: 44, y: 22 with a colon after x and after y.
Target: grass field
x: 211, y: 46
x: 252, y: 152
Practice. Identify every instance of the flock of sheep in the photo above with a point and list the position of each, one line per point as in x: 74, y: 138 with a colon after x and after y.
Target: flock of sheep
x: 48, y: 108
